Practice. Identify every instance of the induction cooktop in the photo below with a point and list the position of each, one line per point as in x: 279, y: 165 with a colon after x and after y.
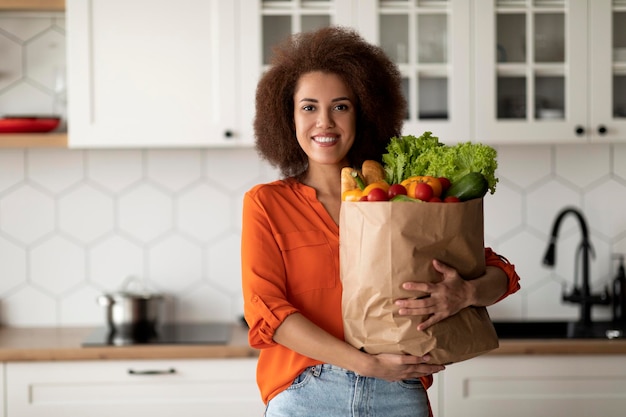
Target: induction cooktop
x: 166, y: 334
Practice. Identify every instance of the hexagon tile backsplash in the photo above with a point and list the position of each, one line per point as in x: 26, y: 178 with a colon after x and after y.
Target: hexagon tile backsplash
x: 75, y: 224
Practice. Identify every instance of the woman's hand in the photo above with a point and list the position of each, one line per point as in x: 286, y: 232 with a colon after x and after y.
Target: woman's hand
x: 444, y: 298
x: 394, y: 367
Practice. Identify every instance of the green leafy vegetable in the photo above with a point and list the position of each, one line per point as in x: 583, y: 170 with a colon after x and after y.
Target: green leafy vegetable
x: 408, y: 156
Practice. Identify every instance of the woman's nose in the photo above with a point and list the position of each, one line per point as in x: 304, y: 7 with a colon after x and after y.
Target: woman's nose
x: 325, y: 120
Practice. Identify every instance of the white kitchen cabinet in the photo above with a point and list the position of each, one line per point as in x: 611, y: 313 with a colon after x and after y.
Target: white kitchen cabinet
x: 155, y: 74
x: 2, y: 392
x: 550, y: 71
x: 225, y: 387
x: 146, y: 74
x: 430, y: 42
x: 534, y: 385
x: 176, y: 74
x: 267, y: 23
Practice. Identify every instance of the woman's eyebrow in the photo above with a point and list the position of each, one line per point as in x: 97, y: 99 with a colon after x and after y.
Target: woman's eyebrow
x: 314, y: 100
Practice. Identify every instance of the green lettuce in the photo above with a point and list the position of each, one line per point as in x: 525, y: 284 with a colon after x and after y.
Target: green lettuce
x: 408, y: 156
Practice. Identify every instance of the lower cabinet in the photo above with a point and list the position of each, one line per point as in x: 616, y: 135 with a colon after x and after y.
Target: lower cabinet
x: 2, y: 398
x: 534, y: 385
x: 488, y: 386
x: 155, y: 388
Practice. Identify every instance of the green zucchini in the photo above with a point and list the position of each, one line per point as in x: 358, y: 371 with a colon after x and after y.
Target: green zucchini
x: 470, y: 186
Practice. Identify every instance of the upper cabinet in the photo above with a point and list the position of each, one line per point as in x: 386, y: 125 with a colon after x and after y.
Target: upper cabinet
x: 150, y: 74
x: 430, y: 42
x: 160, y: 74
x: 267, y: 23
x: 607, y: 59
x: 550, y: 71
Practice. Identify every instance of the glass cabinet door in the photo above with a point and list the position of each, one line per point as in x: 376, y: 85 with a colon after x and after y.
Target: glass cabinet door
x: 608, y: 70
x: 281, y: 18
x: 264, y: 23
x: 531, y: 70
x: 429, y: 40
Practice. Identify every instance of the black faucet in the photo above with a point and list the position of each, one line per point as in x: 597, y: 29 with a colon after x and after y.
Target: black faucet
x: 580, y: 295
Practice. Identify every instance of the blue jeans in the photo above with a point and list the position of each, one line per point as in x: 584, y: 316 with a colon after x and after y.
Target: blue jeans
x: 331, y: 391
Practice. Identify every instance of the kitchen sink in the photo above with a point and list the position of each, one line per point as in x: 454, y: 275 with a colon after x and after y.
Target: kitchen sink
x: 559, y: 330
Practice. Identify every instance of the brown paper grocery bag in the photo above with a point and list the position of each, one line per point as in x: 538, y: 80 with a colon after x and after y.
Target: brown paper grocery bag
x: 384, y: 244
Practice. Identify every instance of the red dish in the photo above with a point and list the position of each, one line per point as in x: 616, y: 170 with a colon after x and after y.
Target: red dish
x: 28, y: 124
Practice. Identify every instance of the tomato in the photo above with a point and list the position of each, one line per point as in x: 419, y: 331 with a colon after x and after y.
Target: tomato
x: 396, y: 189
x: 445, y: 184
x: 434, y: 200
x: 377, y: 194
x: 422, y: 191
x: 451, y: 199
x: 434, y: 183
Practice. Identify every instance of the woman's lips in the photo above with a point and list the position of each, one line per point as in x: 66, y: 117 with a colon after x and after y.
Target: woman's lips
x: 325, y: 140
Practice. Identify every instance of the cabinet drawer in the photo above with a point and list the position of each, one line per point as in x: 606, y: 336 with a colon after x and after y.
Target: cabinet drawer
x: 131, y: 388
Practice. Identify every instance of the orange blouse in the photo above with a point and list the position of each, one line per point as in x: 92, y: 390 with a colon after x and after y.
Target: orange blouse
x: 290, y: 263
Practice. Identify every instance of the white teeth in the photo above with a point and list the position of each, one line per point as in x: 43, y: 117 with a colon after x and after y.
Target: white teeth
x: 325, y: 139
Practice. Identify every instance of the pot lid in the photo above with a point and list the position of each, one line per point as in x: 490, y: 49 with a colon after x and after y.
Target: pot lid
x: 134, y: 287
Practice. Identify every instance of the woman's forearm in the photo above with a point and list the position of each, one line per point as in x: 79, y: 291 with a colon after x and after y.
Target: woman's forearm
x: 301, y: 335
x: 488, y: 289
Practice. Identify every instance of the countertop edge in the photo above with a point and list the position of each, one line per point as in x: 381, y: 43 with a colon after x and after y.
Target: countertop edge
x: 560, y: 347
x: 65, y: 344
x: 127, y: 352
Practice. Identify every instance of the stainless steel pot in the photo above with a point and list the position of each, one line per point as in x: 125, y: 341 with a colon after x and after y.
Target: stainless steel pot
x: 132, y: 310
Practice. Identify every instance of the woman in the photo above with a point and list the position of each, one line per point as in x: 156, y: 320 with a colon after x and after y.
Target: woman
x: 330, y: 100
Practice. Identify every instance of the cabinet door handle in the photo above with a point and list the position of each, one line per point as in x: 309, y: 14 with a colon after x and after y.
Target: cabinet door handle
x: 602, y: 129
x: 229, y: 134
x: 153, y: 372
x: 580, y: 130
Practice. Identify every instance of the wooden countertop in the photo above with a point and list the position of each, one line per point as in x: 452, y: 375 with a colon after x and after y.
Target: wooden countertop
x: 64, y: 343
x: 561, y: 347
x: 55, y: 344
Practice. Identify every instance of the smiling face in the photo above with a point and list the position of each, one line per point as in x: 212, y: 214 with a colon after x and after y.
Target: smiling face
x: 325, y: 118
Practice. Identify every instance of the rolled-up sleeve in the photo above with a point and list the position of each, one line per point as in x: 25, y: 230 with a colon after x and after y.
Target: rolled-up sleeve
x: 493, y: 259
x: 263, y: 276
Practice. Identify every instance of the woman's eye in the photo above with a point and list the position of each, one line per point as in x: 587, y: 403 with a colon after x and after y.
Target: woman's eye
x: 341, y: 107
x: 308, y: 108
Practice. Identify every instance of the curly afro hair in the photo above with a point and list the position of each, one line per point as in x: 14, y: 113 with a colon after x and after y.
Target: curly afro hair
x: 374, y: 79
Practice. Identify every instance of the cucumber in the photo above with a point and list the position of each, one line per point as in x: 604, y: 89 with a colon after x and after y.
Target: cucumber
x: 470, y: 186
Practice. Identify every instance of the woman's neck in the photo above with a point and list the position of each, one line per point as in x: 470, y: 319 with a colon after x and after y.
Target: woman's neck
x: 325, y: 179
